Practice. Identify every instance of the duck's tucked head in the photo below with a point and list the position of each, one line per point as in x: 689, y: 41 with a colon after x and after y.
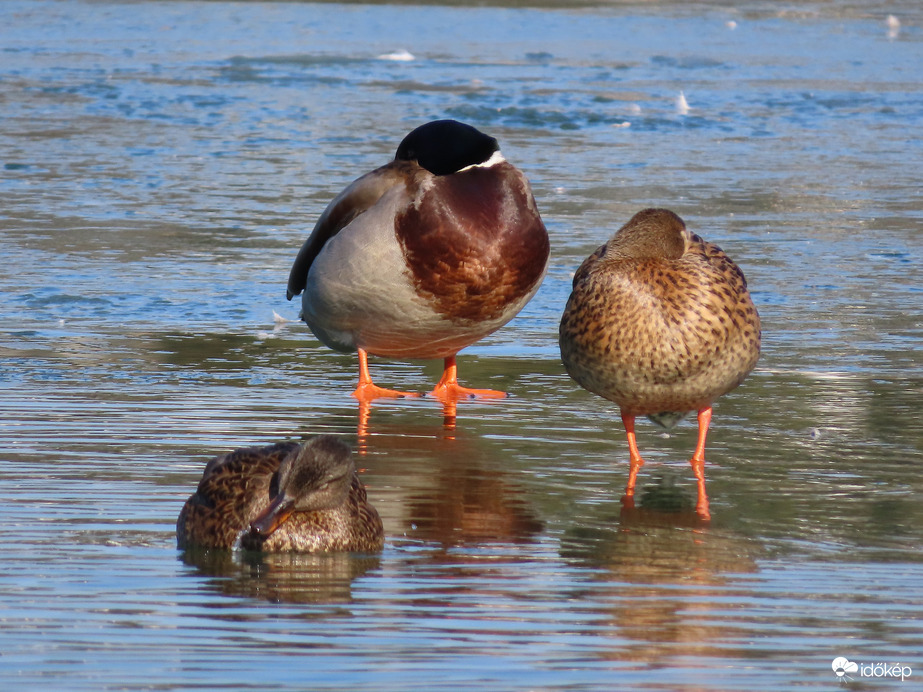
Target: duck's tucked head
x: 446, y: 146
x: 650, y: 234
x: 317, y: 476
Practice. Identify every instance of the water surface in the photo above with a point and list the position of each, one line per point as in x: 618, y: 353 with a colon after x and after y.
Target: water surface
x: 162, y: 164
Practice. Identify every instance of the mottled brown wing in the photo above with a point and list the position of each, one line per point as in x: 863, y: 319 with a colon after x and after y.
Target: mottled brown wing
x: 587, y: 263
x: 233, y: 487
x: 721, y: 262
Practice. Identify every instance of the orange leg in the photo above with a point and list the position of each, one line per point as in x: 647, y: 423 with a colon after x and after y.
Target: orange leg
x: 448, y: 387
x: 635, y: 461
x: 698, y: 463
x: 366, y: 390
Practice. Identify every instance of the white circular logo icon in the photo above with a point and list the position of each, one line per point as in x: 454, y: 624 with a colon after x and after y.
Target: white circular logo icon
x: 842, y: 665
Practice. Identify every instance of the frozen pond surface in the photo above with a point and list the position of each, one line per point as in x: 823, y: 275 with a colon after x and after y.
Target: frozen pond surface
x: 162, y: 163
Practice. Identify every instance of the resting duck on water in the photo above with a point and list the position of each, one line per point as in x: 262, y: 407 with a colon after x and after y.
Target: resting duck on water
x: 284, y: 497
x: 661, y: 323
x: 423, y: 256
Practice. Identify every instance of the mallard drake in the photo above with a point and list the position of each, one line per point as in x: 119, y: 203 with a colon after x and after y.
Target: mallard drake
x: 423, y: 256
x: 660, y: 322
x: 284, y: 497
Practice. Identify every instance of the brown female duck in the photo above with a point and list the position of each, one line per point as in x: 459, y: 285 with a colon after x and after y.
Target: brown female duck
x: 285, y: 497
x: 660, y: 322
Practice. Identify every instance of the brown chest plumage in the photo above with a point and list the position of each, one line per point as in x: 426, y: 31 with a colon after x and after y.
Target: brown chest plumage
x: 474, y: 243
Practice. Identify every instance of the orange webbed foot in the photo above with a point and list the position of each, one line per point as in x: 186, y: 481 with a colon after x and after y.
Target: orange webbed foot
x: 635, y: 465
x: 455, y: 392
x: 448, y: 389
x: 366, y: 391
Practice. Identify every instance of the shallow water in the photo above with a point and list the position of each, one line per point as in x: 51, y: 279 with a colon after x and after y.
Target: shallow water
x: 162, y: 163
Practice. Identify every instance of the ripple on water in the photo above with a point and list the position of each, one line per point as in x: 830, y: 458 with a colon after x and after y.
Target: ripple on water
x: 158, y: 180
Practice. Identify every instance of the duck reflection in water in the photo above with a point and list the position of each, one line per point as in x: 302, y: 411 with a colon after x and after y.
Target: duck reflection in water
x: 660, y: 322
x: 315, y: 578
x: 448, y: 490
x: 423, y: 257
x: 671, y: 567
x: 473, y: 506
x: 284, y: 497
x: 363, y: 428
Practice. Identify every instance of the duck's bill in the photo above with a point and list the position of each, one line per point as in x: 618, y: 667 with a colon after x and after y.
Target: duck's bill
x: 271, y: 518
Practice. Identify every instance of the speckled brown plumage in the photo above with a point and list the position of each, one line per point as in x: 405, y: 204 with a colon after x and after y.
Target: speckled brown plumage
x: 660, y: 322
x: 237, y: 487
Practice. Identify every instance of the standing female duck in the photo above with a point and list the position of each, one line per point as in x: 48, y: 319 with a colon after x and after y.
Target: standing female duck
x: 424, y: 256
x: 660, y: 322
x: 285, y: 497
